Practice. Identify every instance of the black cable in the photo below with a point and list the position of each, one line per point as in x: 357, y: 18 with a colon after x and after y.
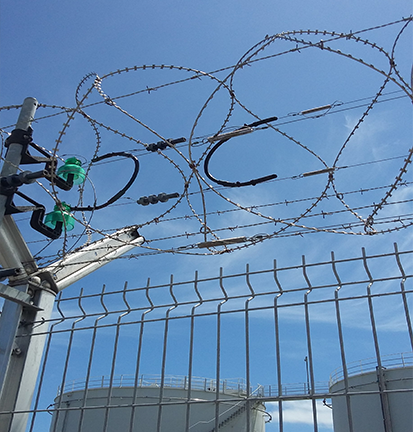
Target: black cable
x: 252, y: 182
x: 122, y: 191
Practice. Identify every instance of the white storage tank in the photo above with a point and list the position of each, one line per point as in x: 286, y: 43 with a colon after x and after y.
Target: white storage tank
x: 380, y: 399
x: 110, y: 409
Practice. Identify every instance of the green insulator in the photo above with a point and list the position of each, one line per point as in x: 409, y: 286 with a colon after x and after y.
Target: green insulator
x: 72, y: 166
x: 60, y: 213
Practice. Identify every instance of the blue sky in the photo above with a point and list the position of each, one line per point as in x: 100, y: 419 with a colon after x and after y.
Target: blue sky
x: 48, y: 47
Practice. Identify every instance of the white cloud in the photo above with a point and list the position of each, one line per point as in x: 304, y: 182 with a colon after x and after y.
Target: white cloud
x: 301, y: 412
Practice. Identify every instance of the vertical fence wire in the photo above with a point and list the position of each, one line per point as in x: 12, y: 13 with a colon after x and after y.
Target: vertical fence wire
x: 165, y: 343
x: 139, y: 354
x: 218, y: 353
x: 59, y: 402
x: 404, y: 295
x: 277, y: 348
x: 309, y: 345
x: 247, y: 347
x: 381, y: 383
x: 114, y: 357
x: 341, y: 342
x: 191, y: 352
x: 91, y: 356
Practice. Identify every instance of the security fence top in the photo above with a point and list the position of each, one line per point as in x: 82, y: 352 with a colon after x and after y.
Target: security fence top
x: 234, y: 289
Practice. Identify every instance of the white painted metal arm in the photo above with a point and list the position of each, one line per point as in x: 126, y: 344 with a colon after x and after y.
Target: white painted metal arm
x: 79, y: 264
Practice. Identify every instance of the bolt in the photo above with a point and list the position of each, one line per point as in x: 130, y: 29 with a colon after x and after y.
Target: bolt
x: 17, y: 352
x: 35, y: 280
x: 46, y: 284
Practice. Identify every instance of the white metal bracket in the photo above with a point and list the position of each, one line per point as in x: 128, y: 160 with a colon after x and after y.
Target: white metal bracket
x: 78, y: 264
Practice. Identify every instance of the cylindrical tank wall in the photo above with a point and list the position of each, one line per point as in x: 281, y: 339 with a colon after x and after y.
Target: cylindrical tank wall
x: 143, y: 409
x: 369, y: 408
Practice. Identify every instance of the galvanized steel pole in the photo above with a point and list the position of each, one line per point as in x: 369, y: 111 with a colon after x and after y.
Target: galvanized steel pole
x: 12, y: 256
x: 14, y: 151
x: 31, y: 291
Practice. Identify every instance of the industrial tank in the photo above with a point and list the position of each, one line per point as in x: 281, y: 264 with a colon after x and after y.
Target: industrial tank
x: 115, y: 408
x: 378, y: 399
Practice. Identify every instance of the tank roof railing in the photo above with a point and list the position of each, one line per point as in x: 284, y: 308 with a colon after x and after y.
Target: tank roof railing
x: 234, y: 386
x: 237, y: 386
x: 228, y: 386
x: 359, y: 367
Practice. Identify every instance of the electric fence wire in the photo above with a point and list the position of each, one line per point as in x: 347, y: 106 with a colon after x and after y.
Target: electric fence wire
x: 402, y: 221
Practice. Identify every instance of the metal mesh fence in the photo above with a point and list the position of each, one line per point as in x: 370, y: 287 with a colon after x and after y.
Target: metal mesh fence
x: 223, y: 349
